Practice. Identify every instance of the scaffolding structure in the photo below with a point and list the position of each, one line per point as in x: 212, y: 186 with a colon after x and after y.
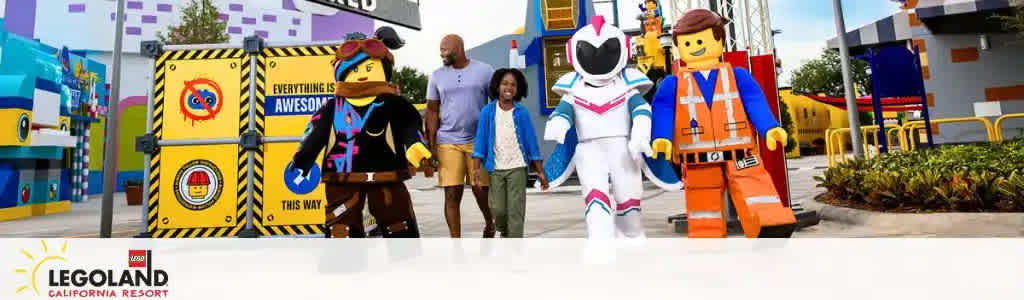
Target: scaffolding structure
x: 750, y: 28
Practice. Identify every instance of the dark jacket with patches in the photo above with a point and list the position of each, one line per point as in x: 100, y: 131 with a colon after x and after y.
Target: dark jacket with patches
x: 379, y: 145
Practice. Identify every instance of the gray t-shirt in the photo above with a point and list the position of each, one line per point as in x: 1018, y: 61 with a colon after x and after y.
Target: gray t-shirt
x: 463, y: 93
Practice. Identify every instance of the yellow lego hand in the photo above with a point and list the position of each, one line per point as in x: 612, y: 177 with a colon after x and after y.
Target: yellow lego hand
x: 776, y: 135
x: 416, y: 154
x: 662, y: 146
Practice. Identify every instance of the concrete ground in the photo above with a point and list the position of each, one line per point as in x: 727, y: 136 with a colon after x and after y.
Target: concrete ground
x: 555, y: 214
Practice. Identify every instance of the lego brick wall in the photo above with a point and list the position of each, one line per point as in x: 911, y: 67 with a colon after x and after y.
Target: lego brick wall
x: 93, y: 21
x: 961, y: 74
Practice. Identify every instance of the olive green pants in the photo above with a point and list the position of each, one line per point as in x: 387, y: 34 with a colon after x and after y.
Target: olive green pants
x: 507, y: 197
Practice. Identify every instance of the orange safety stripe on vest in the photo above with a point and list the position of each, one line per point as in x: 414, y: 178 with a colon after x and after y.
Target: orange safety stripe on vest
x: 722, y: 127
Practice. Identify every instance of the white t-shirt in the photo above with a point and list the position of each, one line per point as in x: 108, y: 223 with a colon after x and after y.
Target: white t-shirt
x: 507, y: 154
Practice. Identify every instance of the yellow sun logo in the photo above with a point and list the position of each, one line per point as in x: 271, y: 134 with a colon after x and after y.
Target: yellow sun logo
x: 45, y: 257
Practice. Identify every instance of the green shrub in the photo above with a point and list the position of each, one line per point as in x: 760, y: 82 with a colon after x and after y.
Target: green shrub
x: 978, y: 177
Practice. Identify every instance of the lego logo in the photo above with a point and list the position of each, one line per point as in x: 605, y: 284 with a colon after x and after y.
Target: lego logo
x: 137, y: 258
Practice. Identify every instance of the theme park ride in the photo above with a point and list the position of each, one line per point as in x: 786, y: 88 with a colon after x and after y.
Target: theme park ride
x: 50, y: 99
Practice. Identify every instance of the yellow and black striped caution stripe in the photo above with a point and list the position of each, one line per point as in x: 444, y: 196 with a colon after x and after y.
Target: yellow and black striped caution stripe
x: 158, y: 113
x: 261, y: 71
x: 158, y: 132
x: 298, y: 51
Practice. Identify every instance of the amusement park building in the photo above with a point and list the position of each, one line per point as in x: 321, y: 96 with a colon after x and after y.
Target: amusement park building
x: 87, y: 26
x: 971, y: 66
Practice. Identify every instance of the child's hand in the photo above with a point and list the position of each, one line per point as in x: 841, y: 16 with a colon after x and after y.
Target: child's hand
x: 477, y: 178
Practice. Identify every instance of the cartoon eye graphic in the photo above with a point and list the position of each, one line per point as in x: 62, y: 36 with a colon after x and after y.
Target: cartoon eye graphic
x: 196, y: 101
x: 700, y: 42
x: 369, y: 67
x: 687, y: 43
x: 23, y: 127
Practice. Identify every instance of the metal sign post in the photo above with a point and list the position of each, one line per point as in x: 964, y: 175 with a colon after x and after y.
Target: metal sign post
x: 851, y: 99
x: 109, y: 158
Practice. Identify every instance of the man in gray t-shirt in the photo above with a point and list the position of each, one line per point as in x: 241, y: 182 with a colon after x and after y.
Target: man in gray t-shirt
x: 456, y: 93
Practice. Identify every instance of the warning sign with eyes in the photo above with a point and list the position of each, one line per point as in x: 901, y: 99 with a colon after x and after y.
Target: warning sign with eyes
x: 201, y: 100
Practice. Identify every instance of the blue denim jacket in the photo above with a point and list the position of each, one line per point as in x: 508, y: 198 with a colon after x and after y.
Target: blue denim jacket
x: 484, y: 145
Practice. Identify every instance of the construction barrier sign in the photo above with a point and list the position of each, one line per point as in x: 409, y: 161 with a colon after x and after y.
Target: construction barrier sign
x: 296, y: 82
x: 199, y: 190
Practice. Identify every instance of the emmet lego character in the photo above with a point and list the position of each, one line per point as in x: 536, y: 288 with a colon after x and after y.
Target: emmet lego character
x: 372, y: 135
x: 707, y: 118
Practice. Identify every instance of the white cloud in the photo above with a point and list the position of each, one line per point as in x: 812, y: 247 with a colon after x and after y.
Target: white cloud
x: 794, y: 55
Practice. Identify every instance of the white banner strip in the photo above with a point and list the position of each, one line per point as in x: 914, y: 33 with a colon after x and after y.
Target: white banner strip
x: 513, y: 269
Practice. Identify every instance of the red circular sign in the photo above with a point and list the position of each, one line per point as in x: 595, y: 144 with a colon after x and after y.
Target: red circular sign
x: 190, y: 89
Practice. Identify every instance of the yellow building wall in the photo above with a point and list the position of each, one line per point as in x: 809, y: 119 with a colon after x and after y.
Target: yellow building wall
x: 812, y: 118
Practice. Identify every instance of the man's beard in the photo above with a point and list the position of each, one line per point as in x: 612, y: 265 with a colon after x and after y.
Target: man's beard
x: 449, y: 60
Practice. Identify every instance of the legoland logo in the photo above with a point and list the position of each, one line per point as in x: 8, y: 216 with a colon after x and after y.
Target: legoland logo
x: 65, y: 281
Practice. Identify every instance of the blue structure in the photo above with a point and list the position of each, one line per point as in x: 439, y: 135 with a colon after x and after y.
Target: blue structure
x: 47, y: 101
x: 896, y: 73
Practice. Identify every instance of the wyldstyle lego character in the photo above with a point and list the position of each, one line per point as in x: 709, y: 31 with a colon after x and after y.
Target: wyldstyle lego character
x: 372, y: 135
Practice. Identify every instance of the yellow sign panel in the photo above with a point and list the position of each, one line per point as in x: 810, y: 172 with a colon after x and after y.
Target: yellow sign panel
x: 296, y: 87
x: 288, y: 197
x: 198, y: 186
x: 201, y: 98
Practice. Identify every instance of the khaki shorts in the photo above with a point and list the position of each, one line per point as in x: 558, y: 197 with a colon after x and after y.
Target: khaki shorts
x: 454, y: 163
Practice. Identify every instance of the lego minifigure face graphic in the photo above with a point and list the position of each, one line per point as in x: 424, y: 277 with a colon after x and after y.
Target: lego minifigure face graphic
x: 370, y: 70
x: 198, y: 191
x: 699, y: 48
x: 650, y: 4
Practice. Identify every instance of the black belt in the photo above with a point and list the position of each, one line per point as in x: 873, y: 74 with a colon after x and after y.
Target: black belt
x: 703, y: 157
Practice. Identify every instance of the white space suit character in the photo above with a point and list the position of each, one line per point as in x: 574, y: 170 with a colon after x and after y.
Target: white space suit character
x: 603, y: 127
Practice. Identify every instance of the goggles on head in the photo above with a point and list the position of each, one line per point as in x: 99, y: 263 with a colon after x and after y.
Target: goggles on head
x: 374, y: 48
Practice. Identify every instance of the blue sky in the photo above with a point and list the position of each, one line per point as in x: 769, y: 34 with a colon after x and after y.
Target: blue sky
x: 806, y: 25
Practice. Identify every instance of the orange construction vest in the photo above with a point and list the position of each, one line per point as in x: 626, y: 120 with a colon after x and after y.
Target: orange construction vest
x: 705, y: 134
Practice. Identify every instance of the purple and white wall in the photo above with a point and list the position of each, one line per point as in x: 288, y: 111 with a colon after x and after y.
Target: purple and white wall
x: 89, y: 24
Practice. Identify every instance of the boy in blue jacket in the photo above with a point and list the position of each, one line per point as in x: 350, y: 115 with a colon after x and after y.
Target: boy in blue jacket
x: 505, y: 145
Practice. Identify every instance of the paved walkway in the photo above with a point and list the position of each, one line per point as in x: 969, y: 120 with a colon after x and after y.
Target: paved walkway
x: 556, y: 214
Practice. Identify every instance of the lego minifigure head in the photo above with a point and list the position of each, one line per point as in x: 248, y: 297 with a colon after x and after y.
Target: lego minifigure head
x: 362, y: 60
x: 700, y: 38
x: 198, y: 185
x: 598, y: 52
x: 197, y: 191
x: 370, y: 70
x: 651, y: 4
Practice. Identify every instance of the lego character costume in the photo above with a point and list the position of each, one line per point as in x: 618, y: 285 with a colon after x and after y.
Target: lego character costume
x: 603, y: 128
x: 373, y: 133
x: 707, y: 118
